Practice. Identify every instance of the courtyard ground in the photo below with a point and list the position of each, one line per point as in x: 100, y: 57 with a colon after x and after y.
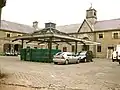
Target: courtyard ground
x: 102, y: 74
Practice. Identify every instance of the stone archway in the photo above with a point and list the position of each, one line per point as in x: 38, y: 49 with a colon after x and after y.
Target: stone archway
x: 11, y: 48
x: 85, y: 47
x: 17, y: 47
x: 7, y: 47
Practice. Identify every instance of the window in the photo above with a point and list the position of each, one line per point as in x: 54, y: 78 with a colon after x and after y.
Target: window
x: 64, y: 49
x: 115, y: 35
x: 69, y: 54
x: 8, y: 34
x: 100, y: 35
x: 98, y: 48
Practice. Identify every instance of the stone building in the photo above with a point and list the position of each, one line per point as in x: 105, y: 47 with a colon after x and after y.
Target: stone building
x: 107, y: 32
x: 11, y: 29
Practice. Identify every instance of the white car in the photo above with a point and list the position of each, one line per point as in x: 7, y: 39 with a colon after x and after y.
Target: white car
x: 114, y: 56
x: 65, y: 57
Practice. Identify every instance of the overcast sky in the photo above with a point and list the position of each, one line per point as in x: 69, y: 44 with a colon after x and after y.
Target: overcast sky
x: 61, y: 12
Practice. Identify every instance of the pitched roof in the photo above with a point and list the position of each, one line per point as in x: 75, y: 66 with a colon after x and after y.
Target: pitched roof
x: 69, y: 28
x: 99, y: 26
x: 72, y: 28
x: 107, y: 24
x: 11, y: 26
x: 85, y: 20
x: 49, y: 30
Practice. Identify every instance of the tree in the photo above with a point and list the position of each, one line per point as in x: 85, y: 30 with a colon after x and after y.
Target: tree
x: 2, y: 3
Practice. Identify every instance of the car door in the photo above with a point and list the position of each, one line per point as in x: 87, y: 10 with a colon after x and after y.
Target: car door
x: 69, y: 57
x: 74, y: 58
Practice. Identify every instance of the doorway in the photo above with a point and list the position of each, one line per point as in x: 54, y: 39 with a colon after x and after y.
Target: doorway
x: 17, y: 48
x: 109, y: 52
x: 7, y: 47
x: 85, y: 47
x: 64, y: 49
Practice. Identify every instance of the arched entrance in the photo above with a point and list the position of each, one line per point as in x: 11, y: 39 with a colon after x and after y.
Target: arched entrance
x: 17, y: 48
x: 7, y: 47
x: 85, y: 47
x: 11, y: 49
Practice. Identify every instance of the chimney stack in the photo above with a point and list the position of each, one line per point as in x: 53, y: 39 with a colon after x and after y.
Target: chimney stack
x: 35, y: 24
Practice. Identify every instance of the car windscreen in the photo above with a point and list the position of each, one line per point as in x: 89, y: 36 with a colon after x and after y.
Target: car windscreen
x: 59, y: 53
x: 82, y: 54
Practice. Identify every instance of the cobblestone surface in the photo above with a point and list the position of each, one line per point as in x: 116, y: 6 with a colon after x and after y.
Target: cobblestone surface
x: 102, y: 74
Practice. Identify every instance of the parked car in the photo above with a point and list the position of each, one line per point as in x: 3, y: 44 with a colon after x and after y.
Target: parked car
x: 65, y: 58
x: 85, y: 56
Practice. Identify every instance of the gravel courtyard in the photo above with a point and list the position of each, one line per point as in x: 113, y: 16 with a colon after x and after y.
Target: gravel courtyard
x: 102, y: 74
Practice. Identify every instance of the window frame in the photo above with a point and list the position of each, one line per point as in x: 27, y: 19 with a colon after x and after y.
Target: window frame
x: 100, y: 37
x: 114, y: 36
x: 8, y: 34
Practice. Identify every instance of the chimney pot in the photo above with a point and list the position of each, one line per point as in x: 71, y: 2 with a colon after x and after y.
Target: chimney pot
x: 35, y: 24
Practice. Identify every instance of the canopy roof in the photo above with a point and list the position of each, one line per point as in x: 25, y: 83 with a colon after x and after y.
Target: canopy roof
x: 46, y: 34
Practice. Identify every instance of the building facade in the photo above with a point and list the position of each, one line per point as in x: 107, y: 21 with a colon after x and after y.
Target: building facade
x: 107, y: 32
x: 11, y: 29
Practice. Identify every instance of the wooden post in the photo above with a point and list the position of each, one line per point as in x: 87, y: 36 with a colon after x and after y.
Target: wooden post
x: 76, y: 47
x: 22, y: 42
x: 50, y: 48
x: 57, y: 46
x: 0, y: 15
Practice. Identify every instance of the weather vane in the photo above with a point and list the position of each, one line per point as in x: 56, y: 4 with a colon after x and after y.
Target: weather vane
x: 91, y: 6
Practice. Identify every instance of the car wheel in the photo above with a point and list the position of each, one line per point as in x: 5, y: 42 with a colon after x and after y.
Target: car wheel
x: 113, y: 60
x: 66, y: 62
x: 119, y: 62
x: 78, y: 61
x: 85, y: 60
